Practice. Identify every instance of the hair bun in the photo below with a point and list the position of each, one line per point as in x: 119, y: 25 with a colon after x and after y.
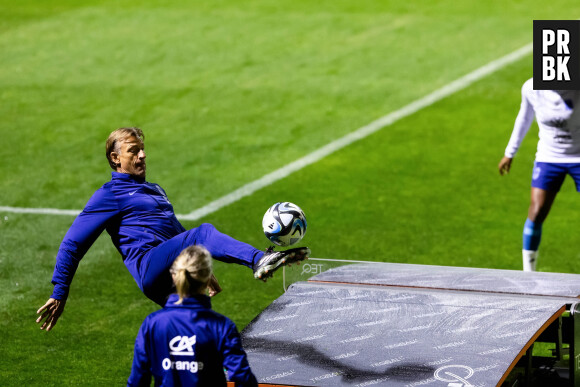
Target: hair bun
x: 192, y: 270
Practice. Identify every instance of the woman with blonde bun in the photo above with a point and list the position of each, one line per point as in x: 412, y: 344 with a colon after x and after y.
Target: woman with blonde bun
x: 186, y: 342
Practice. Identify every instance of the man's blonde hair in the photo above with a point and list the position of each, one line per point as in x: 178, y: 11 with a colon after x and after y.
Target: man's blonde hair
x: 191, y: 271
x: 118, y: 136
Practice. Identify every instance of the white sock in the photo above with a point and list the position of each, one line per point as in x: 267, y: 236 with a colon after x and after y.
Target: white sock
x: 530, y: 258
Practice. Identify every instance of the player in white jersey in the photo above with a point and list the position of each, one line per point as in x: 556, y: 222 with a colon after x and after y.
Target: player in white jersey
x: 558, y: 155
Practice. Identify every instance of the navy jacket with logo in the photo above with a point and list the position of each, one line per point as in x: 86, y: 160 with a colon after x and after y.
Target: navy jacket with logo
x: 189, y: 344
x: 136, y: 214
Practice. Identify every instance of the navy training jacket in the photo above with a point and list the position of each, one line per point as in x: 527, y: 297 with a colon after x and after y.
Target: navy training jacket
x: 189, y: 344
x: 136, y: 214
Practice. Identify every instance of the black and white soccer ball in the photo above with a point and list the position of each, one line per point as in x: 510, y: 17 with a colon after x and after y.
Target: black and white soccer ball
x: 284, y: 224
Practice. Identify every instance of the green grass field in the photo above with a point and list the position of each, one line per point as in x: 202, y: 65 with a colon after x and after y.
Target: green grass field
x: 229, y: 91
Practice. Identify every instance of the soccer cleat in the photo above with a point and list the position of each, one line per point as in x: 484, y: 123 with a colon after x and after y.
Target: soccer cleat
x: 272, y: 260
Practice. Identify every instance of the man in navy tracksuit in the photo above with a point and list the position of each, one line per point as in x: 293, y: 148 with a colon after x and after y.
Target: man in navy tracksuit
x: 143, y: 227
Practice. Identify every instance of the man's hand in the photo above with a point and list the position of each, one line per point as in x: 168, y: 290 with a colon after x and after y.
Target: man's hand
x: 214, y: 286
x: 505, y: 165
x: 50, y: 312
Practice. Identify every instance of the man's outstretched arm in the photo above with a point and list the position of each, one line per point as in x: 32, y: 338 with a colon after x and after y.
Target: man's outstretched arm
x: 86, y: 228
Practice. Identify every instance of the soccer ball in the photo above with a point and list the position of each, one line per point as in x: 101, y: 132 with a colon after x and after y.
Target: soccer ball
x: 284, y: 224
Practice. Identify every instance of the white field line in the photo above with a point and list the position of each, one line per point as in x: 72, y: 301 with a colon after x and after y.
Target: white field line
x: 39, y: 211
x: 320, y: 153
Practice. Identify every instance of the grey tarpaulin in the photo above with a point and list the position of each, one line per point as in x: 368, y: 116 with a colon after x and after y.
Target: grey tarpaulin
x: 384, y: 330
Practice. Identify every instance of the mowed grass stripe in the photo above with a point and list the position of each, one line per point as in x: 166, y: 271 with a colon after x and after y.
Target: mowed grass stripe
x: 328, y: 149
x: 219, y: 114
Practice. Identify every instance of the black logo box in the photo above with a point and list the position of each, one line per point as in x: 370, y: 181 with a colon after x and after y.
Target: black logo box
x: 573, y: 61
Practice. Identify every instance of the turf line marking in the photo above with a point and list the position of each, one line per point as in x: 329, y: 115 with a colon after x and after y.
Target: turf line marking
x: 39, y: 211
x: 359, y: 134
x: 328, y: 149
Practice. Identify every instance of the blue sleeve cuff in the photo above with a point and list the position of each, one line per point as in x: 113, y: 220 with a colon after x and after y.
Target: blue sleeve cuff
x: 60, y: 292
